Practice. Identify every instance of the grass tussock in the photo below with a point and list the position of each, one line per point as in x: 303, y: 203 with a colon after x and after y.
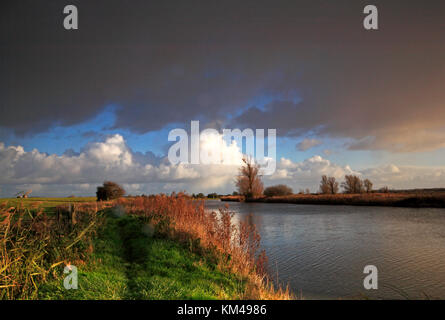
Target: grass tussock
x: 33, y: 243
x: 232, y: 247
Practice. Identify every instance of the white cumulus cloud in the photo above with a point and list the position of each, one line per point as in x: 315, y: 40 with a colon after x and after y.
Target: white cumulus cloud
x: 112, y: 159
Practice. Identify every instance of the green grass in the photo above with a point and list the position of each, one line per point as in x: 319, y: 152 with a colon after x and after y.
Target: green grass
x: 47, y: 204
x: 128, y: 263
x: 44, y: 202
x: 102, y: 278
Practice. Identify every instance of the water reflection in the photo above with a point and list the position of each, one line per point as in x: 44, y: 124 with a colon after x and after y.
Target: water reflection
x: 321, y: 250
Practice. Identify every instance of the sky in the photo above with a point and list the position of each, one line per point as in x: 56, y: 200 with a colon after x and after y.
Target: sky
x: 78, y: 107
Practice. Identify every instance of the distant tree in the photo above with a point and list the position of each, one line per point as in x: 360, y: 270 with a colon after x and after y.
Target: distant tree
x: 200, y: 195
x: 328, y: 185
x: 109, y: 191
x: 352, y: 184
x: 278, y: 190
x: 212, y: 195
x: 249, y: 181
x: 368, y: 185
x: 308, y: 191
x: 384, y: 189
x: 235, y: 193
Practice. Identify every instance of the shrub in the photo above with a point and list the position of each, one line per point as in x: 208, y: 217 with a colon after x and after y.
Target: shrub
x: 278, y: 190
x: 109, y: 191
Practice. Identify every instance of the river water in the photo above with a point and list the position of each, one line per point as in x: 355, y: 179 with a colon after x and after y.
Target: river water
x: 321, y: 251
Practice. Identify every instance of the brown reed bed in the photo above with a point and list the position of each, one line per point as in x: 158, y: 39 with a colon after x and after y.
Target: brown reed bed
x: 412, y: 200
x: 214, y: 235
x: 233, y: 198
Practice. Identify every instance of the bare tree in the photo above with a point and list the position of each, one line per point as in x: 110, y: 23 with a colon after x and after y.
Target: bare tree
x: 328, y: 185
x: 368, y: 185
x: 352, y: 184
x: 333, y: 185
x: 248, y: 181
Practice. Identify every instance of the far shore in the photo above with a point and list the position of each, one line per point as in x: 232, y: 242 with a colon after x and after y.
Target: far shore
x: 411, y: 200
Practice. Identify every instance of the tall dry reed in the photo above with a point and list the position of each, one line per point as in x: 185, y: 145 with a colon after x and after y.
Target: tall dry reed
x: 235, y: 247
x: 33, y: 244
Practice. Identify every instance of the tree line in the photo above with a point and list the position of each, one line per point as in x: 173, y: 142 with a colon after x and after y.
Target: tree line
x: 249, y: 184
x: 351, y: 184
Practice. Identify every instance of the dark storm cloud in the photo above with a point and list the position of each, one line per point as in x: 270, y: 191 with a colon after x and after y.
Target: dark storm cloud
x: 172, y: 62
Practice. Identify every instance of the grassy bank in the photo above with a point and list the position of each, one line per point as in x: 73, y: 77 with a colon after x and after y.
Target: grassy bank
x: 231, y: 247
x: 161, y: 247
x: 129, y: 262
x: 413, y: 200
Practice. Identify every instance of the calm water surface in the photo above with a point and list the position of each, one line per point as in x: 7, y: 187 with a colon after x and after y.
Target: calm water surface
x: 320, y: 251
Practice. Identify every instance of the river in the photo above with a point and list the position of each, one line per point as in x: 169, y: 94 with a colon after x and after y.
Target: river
x: 321, y: 251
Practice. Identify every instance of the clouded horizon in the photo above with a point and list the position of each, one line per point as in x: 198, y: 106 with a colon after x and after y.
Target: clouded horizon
x: 78, y: 107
